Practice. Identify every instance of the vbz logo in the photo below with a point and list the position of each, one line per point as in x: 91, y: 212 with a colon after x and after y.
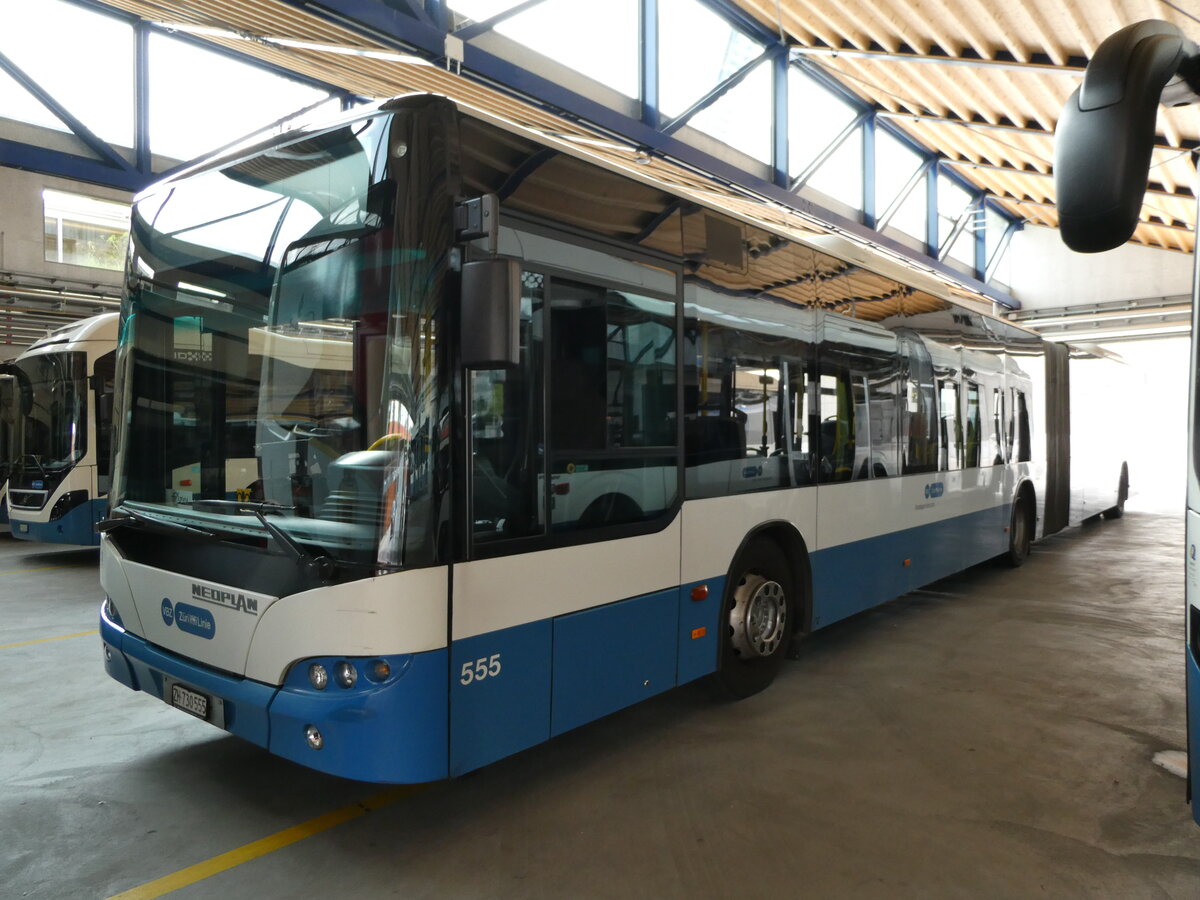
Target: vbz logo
x: 168, y: 612
x: 934, y: 490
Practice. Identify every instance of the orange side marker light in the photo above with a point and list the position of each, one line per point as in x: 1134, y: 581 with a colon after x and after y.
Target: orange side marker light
x: 700, y: 592
x: 698, y: 633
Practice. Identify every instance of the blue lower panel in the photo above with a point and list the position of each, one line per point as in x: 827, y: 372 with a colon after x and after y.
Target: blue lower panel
x: 612, y: 656
x: 698, y: 634
x: 389, y: 732
x: 850, y: 578
x: 141, y: 666
x: 508, y: 708
x: 393, y: 732
x: 1193, y: 738
x: 76, y: 527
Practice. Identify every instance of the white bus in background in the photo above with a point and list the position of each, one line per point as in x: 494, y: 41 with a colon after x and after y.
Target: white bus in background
x: 61, y: 462
x: 535, y: 439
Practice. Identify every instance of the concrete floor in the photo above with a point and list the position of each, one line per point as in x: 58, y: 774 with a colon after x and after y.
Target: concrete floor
x: 989, y: 737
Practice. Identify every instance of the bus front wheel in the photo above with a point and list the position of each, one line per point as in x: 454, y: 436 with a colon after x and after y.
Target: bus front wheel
x: 758, y: 616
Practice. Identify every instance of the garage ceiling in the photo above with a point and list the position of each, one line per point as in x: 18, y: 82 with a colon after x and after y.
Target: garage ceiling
x: 979, y: 81
x: 983, y: 82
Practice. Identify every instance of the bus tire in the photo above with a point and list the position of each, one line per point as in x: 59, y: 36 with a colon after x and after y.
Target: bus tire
x: 758, y: 618
x: 1020, y: 533
x: 1115, y: 512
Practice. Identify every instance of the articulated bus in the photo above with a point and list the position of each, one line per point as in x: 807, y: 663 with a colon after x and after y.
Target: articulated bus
x: 61, y: 462
x: 490, y: 440
x: 1103, y: 148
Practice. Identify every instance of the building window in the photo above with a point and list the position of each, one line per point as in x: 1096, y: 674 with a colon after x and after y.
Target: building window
x: 84, y: 231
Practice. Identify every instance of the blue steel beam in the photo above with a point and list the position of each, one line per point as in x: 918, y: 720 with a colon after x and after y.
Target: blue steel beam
x: 80, y: 168
x: 981, y: 237
x: 931, y: 205
x: 780, y: 130
x: 868, y: 172
x: 1001, y: 248
x: 721, y: 89
x: 377, y: 20
x: 467, y: 32
x: 141, y: 97
x: 648, y: 68
x: 101, y: 148
x: 831, y: 148
x: 922, y: 173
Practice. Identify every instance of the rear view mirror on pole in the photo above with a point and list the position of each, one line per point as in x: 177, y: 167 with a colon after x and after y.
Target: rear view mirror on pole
x: 491, y: 312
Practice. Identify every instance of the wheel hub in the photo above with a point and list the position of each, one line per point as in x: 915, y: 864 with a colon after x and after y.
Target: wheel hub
x: 758, y: 618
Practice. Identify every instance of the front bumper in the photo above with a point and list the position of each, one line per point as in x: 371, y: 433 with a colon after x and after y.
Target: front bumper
x: 394, y: 732
x: 78, y: 526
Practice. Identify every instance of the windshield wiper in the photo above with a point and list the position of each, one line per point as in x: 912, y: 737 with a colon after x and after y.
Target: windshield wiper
x: 37, y: 461
x: 320, y: 567
x: 126, y: 517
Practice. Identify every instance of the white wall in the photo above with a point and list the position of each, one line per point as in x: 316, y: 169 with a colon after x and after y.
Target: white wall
x: 22, y: 228
x: 1042, y: 272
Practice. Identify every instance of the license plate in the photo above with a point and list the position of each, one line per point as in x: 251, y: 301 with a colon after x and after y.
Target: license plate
x: 189, y: 701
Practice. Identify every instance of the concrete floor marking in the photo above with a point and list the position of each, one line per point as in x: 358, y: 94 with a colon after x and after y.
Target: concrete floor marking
x: 42, y: 569
x: 263, y: 846
x: 61, y: 637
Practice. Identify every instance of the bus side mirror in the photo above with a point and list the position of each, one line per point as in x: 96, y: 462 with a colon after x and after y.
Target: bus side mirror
x: 491, y: 312
x: 1105, y: 136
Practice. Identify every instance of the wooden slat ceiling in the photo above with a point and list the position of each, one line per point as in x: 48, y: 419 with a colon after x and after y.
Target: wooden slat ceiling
x: 995, y: 122
x: 992, y: 120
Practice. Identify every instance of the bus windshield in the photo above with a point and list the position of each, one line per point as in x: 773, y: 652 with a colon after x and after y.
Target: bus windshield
x: 50, y: 400
x: 255, y: 349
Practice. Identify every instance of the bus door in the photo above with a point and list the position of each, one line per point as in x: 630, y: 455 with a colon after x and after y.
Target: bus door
x: 567, y: 607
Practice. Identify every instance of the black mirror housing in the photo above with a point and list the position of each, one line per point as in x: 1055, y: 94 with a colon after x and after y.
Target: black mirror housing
x: 1105, y: 137
x: 491, y: 312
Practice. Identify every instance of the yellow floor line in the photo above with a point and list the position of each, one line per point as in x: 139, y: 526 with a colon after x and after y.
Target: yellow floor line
x: 262, y: 847
x: 44, y: 568
x: 61, y: 637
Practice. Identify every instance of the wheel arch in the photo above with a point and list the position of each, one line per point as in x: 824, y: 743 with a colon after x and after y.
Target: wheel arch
x: 787, y: 537
x: 1027, y: 492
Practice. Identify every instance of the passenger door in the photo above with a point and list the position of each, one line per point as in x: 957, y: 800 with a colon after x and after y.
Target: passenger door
x: 567, y: 606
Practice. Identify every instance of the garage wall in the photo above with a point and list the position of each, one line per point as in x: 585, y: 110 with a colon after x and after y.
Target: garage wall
x: 1044, y: 273
x: 21, y: 226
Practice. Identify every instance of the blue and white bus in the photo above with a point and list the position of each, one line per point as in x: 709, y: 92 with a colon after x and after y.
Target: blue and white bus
x: 491, y: 440
x: 1103, y: 148
x: 61, y: 466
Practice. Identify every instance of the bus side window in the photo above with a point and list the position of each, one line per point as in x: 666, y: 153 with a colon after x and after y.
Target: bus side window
x: 919, y: 412
x: 973, y: 427
x: 950, y: 429
x: 737, y: 389
x: 1024, y: 450
x: 803, y: 449
x: 613, y: 419
x: 998, y: 457
x: 507, y: 459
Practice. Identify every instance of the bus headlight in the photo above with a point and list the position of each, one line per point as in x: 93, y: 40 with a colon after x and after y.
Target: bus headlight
x: 318, y: 676
x: 346, y: 674
x: 110, y: 616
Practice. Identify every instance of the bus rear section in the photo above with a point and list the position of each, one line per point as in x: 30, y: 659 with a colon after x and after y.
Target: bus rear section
x: 60, y: 470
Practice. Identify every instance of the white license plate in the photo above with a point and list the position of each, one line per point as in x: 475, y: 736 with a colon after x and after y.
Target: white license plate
x: 189, y: 701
